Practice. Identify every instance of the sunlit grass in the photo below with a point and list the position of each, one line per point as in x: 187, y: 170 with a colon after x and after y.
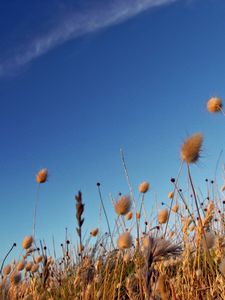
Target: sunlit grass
x: 179, y: 253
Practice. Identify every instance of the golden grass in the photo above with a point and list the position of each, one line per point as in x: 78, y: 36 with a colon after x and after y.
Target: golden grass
x: 171, y: 256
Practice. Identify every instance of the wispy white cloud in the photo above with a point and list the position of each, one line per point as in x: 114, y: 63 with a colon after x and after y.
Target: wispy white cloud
x: 76, y: 24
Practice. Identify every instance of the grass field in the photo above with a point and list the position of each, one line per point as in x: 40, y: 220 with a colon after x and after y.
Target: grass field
x: 177, y: 254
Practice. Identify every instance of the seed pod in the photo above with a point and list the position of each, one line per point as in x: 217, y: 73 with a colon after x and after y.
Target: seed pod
x: 191, y: 148
x: 27, y: 242
x: 21, y: 265
x: 124, y: 241
x: 144, y: 187
x: 42, y: 176
x: 7, y: 270
x: 129, y: 215
x: 163, y: 216
x: 122, y: 207
x: 214, y: 105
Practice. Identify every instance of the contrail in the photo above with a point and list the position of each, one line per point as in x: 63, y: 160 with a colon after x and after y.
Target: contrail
x: 76, y: 24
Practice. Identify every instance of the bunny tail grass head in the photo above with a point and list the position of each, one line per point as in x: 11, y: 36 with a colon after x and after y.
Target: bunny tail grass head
x: 27, y: 242
x: 42, y: 176
x: 122, y: 207
x: 175, y: 208
x: 94, y: 232
x: 15, y: 278
x: 129, y: 215
x: 144, y: 187
x: 124, y: 241
x: 28, y: 266
x: 163, y: 216
x: 190, y: 150
x: 170, y: 195
x: 7, y: 270
x: 214, y: 105
x: 21, y: 265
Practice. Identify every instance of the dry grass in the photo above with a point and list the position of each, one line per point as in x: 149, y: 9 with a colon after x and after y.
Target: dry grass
x: 178, y: 255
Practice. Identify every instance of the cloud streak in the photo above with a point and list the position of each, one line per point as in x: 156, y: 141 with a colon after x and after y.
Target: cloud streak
x: 75, y: 24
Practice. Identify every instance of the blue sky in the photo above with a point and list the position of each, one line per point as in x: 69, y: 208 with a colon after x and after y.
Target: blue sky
x: 81, y: 79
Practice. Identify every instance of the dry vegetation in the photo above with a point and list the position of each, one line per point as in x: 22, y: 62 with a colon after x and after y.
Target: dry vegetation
x: 178, y: 254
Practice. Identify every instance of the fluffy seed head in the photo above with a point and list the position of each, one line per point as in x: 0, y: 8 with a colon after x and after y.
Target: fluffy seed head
x: 34, y: 268
x: 175, y: 208
x: 38, y: 259
x: 214, y: 105
x: 191, y: 148
x: 21, y: 265
x: 138, y: 215
x: 29, y: 265
x: 129, y: 215
x: 94, y: 232
x: 7, y: 270
x: 15, y: 278
x: 170, y: 195
x: 27, y: 242
x: 42, y: 176
x: 163, y: 216
x: 123, y: 206
x: 144, y: 187
x: 124, y: 241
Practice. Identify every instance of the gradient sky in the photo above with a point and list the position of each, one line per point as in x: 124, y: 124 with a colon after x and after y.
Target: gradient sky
x: 81, y: 79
